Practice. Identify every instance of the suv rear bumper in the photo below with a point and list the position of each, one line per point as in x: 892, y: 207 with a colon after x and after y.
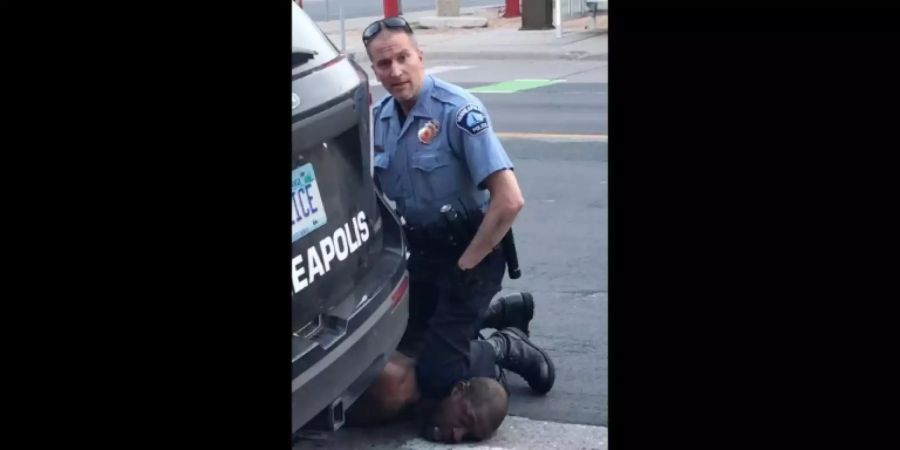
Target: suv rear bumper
x: 355, y: 360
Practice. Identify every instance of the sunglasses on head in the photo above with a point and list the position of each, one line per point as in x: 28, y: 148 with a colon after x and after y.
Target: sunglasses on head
x: 390, y: 22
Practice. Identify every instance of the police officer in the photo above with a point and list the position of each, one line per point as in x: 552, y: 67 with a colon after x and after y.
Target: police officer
x: 434, y: 146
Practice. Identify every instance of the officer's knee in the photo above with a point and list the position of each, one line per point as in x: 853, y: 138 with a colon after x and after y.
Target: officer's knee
x: 435, y: 380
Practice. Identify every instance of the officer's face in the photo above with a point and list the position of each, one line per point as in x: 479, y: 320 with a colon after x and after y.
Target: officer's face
x: 398, y: 64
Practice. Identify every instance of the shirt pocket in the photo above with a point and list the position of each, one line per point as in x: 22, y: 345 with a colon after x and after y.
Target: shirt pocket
x: 435, y: 175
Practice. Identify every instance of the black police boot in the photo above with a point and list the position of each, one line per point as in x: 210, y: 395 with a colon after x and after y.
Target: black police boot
x: 515, y: 352
x: 513, y: 310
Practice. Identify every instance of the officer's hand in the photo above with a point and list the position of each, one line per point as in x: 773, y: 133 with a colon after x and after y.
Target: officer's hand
x: 466, y: 262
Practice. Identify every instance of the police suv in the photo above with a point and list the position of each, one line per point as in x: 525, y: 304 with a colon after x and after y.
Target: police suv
x: 348, y: 267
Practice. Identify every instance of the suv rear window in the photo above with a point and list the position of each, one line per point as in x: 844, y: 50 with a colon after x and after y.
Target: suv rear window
x: 310, y: 47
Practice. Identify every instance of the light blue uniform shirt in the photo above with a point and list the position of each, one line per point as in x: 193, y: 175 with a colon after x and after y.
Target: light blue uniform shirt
x: 450, y: 167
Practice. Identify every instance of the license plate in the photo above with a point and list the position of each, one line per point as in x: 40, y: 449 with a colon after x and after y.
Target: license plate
x: 306, y: 202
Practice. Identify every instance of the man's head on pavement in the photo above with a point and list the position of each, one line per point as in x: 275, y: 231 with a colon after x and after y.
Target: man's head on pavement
x: 472, y: 412
x: 397, y: 60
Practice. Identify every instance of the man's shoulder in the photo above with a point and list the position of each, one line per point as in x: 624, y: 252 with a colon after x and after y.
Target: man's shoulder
x: 452, y: 95
x: 464, y: 109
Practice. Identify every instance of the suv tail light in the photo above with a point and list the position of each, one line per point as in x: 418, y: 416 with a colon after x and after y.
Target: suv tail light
x: 400, y: 290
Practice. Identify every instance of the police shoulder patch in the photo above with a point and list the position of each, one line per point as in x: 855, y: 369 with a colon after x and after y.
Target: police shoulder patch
x: 471, y: 119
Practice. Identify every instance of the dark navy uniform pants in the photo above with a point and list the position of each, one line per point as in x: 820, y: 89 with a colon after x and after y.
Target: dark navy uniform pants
x: 447, y: 306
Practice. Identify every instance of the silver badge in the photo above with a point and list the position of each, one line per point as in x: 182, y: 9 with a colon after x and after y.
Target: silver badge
x: 295, y: 101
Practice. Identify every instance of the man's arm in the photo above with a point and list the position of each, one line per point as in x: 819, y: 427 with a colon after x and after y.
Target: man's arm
x: 392, y: 393
x: 506, y: 202
x: 474, y: 140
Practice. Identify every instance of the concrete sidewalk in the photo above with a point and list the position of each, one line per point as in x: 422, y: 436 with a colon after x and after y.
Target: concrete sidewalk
x: 501, y: 39
x: 515, y: 433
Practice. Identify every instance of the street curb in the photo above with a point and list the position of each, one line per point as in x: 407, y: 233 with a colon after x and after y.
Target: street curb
x: 359, y: 23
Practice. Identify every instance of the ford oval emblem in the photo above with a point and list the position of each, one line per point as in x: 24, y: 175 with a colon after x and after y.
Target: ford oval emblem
x: 295, y: 101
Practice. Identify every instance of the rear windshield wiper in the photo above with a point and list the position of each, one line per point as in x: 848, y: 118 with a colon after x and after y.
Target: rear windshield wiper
x: 300, y: 56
